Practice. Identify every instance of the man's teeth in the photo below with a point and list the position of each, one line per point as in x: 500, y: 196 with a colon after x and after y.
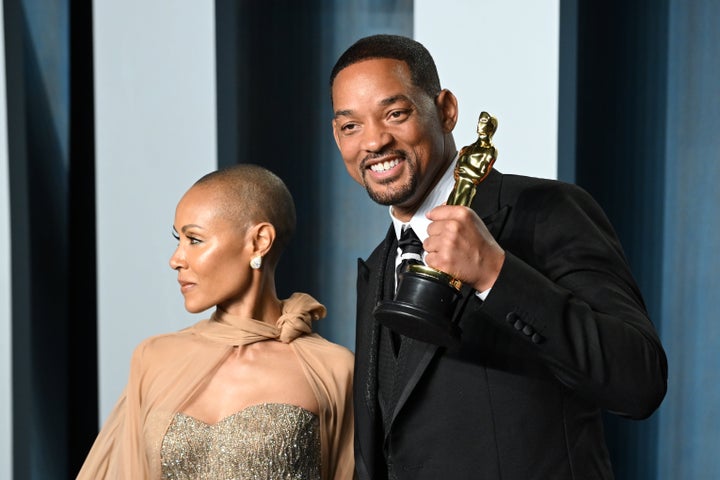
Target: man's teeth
x: 384, y: 166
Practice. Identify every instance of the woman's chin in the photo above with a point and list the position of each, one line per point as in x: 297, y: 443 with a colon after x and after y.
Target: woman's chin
x: 195, y: 308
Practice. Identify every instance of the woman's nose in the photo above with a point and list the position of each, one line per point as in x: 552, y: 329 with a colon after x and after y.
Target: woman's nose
x: 177, y: 260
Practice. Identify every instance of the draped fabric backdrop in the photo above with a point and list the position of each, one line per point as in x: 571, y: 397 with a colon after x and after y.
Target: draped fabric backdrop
x: 114, y: 108
x: 155, y: 123
x: 620, y: 116
x: 5, y: 311
x: 50, y: 185
x: 689, y: 420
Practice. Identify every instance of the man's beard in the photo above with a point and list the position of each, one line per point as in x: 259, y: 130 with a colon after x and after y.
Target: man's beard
x: 394, y: 195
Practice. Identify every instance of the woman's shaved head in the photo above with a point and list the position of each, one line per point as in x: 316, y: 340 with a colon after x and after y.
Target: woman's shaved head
x: 249, y: 194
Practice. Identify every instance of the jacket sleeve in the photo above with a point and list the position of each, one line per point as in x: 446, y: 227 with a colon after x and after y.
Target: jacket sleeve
x: 566, y: 290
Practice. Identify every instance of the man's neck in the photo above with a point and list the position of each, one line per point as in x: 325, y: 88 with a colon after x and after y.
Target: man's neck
x: 405, y: 214
x: 437, y: 195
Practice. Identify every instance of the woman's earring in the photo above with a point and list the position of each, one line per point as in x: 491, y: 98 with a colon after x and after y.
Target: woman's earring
x: 256, y: 262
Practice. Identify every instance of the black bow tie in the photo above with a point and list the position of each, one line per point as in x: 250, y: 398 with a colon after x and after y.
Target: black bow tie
x: 411, y: 250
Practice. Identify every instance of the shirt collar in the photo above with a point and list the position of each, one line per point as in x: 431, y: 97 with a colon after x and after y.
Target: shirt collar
x: 437, y: 196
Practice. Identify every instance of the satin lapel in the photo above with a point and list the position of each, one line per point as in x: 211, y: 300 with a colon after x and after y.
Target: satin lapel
x: 487, y: 203
x: 418, y: 357
x: 370, y: 287
x: 496, y: 221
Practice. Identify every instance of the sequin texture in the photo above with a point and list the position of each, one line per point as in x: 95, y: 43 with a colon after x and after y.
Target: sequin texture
x: 266, y: 441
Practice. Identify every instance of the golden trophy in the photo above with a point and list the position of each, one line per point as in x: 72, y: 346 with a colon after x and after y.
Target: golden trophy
x: 425, y: 300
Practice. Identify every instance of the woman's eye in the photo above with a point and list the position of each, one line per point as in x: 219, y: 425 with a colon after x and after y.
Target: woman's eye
x: 193, y: 240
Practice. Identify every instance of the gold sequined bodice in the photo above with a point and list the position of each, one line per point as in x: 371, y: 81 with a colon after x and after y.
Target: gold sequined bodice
x: 266, y: 441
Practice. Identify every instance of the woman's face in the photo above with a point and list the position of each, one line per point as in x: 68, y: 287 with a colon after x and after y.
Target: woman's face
x: 213, y: 254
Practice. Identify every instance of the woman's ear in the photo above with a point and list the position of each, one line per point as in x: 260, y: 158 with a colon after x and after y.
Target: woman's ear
x: 447, y: 106
x: 263, y: 237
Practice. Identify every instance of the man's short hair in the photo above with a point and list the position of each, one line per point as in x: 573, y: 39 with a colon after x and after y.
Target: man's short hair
x: 423, y: 71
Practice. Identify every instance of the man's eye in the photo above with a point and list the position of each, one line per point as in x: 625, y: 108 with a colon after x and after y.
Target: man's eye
x: 349, y: 127
x: 398, y: 114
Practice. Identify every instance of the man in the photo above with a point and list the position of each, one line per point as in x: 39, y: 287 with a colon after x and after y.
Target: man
x: 553, y: 327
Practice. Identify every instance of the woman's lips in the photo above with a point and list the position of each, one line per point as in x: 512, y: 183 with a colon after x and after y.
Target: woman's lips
x: 185, y: 286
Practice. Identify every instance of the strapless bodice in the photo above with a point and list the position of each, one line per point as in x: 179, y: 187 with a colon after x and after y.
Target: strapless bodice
x: 266, y: 441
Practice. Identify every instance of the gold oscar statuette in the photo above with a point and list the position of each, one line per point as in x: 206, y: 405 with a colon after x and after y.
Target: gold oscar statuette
x: 426, y: 297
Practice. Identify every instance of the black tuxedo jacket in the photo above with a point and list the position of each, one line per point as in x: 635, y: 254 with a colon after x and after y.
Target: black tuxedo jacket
x: 562, y: 335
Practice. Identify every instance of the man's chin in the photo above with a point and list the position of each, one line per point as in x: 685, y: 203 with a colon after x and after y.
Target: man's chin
x: 391, y: 193
x: 387, y: 198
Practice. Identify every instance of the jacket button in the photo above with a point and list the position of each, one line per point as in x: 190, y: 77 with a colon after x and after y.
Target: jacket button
x: 537, y: 338
x: 518, y: 325
x: 528, y: 330
x: 511, y: 317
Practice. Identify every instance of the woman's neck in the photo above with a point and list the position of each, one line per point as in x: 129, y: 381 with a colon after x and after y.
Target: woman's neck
x: 258, y: 303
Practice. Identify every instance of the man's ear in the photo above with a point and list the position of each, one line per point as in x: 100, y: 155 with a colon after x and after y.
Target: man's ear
x: 447, y: 106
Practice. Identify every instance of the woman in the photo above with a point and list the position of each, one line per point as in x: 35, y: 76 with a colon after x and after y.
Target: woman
x: 250, y: 392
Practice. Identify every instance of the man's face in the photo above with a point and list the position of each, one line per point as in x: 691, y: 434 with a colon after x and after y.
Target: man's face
x: 390, y: 133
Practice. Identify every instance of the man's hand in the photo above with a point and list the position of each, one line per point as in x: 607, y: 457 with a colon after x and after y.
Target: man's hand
x: 460, y: 245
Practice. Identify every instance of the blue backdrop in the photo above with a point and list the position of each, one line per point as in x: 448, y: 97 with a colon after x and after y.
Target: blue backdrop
x: 639, y: 121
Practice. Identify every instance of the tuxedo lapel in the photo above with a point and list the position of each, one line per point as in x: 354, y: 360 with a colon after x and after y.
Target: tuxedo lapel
x: 496, y: 222
x: 368, y: 421
x: 371, y: 282
x: 488, y: 204
x: 365, y: 336
x: 417, y: 358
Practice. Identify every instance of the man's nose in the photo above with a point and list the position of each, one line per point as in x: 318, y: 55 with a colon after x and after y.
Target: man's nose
x: 376, y: 137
